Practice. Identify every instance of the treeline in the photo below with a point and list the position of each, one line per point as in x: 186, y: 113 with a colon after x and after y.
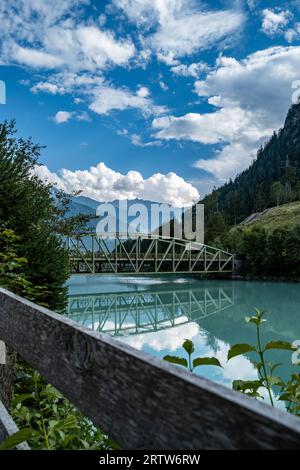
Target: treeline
x: 267, y: 253
x: 34, y: 264
x: 272, y: 179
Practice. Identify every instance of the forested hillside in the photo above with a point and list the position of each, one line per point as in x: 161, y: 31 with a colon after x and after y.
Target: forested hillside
x: 272, y: 179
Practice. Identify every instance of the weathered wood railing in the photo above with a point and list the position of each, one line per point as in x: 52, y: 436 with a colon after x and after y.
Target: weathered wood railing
x: 139, y: 401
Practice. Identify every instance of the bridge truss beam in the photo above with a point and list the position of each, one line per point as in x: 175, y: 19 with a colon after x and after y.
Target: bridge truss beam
x: 145, y: 254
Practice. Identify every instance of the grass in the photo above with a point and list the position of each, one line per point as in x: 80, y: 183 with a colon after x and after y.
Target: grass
x: 286, y: 215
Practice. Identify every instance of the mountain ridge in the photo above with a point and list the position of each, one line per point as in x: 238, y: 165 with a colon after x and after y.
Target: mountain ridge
x: 272, y: 179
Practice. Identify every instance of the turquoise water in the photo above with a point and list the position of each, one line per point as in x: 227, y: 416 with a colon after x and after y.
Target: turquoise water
x: 157, y: 313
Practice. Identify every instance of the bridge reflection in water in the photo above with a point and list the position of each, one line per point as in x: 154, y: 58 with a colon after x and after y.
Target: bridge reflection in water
x: 132, y: 313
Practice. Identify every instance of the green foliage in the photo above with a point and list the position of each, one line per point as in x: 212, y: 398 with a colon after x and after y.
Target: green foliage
x: 12, y: 269
x: 48, y: 420
x: 216, y: 228
x: 248, y: 387
x: 289, y: 391
x: 239, y: 349
x: 36, y: 215
x: 267, y: 253
x: 34, y: 264
x: 17, y: 438
x: 191, y: 363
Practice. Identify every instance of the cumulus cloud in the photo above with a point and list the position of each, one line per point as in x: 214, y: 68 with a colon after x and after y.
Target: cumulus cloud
x: 62, y: 117
x: 143, y: 92
x: 274, y: 21
x: 252, y: 97
x: 231, y: 124
x: 104, y: 184
x: 281, y: 22
x: 292, y: 34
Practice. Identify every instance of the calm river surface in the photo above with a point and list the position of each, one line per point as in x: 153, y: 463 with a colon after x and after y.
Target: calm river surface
x: 157, y: 313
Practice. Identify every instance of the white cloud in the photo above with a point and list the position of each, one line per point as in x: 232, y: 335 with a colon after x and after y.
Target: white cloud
x: 252, y: 4
x: 163, y: 85
x: 50, y: 34
x: 76, y: 49
x: 192, y: 70
x: 105, y: 98
x: 104, y: 184
x: 102, y: 96
x: 35, y: 58
x: 212, y: 128
x: 143, y: 92
x: 231, y: 124
x: 170, y: 339
x: 137, y: 141
x: 82, y: 116
x: 47, y: 87
x: 274, y: 21
x: 181, y: 27
x: 252, y: 96
x: 292, y: 34
x: 62, y: 117
x: 262, y: 81
x: 188, y: 34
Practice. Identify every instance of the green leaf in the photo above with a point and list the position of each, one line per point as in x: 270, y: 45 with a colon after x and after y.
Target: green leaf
x: 206, y: 361
x: 176, y: 360
x: 20, y: 398
x: 69, y: 423
x: 248, y: 387
x: 274, y: 380
x: 188, y: 345
x: 285, y: 397
x: 279, y: 345
x: 239, y: 349
x: 17, y: 438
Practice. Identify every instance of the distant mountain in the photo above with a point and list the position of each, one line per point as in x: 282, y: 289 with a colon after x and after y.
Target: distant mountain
x: 273, y: 178
x: 86, y: 201
x: 87, y: 206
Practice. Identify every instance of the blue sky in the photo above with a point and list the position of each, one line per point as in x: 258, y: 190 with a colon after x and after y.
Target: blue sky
x: 157, y: 99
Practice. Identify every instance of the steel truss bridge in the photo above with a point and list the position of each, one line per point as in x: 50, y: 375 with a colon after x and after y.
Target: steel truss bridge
x: 131, y: 313
x: 144, y: 254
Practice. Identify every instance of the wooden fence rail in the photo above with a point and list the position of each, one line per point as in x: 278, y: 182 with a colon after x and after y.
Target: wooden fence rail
x: 139, y: 401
